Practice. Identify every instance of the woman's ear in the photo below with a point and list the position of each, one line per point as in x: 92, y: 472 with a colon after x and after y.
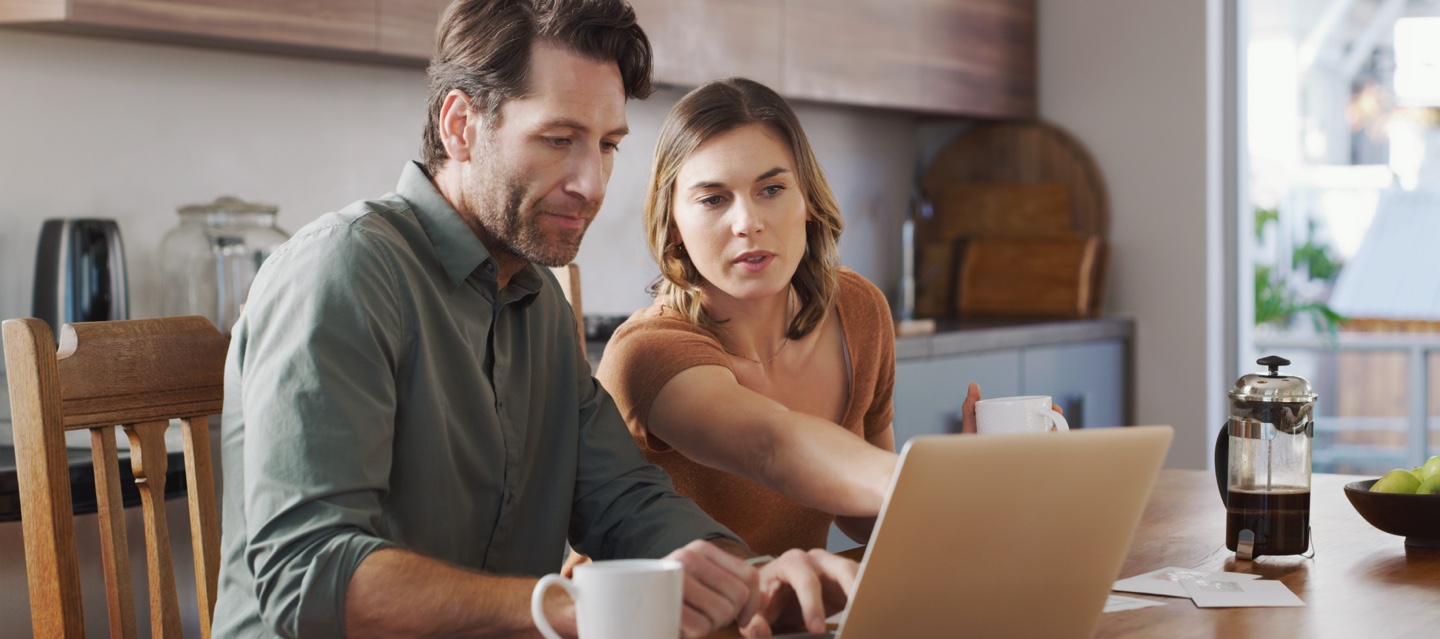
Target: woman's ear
x: 458, y: 125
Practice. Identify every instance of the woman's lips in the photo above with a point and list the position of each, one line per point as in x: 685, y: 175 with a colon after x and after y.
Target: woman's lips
x: 754, y: 261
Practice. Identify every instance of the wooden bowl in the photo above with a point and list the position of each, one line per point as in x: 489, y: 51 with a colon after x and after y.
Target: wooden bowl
x: 1414, y: 517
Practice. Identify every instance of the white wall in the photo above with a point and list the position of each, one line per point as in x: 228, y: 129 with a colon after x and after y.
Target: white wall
x: 103, y: 128
x: 1128, y: 78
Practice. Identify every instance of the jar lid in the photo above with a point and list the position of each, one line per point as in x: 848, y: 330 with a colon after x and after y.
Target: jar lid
x: 1272, y: 386
x: 229, y: 204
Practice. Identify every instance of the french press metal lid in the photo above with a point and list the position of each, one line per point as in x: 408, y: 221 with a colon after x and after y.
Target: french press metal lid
x: 1285, y: 401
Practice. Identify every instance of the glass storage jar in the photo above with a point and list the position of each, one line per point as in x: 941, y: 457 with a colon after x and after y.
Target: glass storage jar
x: 210, y: 259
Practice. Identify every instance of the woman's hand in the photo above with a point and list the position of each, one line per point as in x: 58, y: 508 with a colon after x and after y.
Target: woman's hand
x: 800, y: 589
x: 967, y: 409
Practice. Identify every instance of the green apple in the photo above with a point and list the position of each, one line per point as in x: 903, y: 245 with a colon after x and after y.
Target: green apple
x: 1430, y: 486
x: 1418, y: 472
x: 1431, y: 467
x: 1397, y: 481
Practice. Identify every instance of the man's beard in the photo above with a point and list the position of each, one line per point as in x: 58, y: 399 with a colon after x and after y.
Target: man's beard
x: 515, y: 222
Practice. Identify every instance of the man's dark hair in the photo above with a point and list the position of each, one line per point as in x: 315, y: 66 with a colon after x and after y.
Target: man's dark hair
x: 482, y: 47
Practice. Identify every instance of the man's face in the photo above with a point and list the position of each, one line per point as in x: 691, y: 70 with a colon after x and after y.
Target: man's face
x: 536, y: 180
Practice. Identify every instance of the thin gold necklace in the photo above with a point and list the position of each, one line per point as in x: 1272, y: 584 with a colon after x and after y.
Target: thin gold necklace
x: 783, y: 344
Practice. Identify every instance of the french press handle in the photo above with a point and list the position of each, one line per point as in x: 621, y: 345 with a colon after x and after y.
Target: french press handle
x: 1222, y: 463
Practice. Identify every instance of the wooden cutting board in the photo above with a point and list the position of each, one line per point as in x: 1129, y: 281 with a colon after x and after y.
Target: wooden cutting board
x: 972, y: 209
x: 1024, y: 153
x: 1028, y: 276
x: 1005, y: 179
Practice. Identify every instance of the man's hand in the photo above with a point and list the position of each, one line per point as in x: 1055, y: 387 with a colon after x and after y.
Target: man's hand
x: 719, y: 588
x: 801, y: 589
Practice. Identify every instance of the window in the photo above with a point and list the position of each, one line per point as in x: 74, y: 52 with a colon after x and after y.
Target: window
x: 1340, y: 218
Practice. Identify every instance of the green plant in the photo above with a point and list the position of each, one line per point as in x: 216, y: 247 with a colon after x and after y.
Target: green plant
x: 1276, y: 302
x: 1317, y: 259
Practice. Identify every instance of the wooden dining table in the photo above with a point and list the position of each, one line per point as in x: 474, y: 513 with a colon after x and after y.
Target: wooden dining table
x: 1359, y: 582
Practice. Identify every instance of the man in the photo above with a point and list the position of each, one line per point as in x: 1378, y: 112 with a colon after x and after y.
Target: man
x: 411, y: 432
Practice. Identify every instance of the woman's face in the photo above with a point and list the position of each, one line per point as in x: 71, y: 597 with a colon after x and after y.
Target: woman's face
x: 740, y: 214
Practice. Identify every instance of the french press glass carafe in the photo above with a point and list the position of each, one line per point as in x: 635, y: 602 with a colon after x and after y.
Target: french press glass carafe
x: 1262, y: 461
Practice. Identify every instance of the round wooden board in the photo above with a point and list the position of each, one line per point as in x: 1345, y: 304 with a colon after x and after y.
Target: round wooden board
x: 1025, y: 153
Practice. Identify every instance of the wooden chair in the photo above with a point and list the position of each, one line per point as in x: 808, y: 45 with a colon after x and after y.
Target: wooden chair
x: 569, y: 277
x: 138, y: 374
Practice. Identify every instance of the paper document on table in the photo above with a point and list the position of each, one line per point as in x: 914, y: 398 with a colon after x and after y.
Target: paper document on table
x: 1166, y: 581
x: 1116, y: 603
x: 1239, y: 594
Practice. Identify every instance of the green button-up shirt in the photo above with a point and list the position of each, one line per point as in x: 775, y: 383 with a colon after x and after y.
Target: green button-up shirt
x: 380, y: 390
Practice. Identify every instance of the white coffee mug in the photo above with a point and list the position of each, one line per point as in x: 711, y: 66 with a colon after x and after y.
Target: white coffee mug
x: 1028, y: 414
x: 619, y: 599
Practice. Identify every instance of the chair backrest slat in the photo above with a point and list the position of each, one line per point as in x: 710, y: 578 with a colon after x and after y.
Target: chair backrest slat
x: 114, y: 547
x: 204, y: 522
x: 138, y: 374
x: 148, y: 461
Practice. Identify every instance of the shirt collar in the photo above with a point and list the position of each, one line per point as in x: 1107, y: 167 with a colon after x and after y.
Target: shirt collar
x: 456, y: 246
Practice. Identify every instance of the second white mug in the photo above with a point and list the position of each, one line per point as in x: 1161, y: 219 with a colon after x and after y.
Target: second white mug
x: 1027, y: 414
x: 619, y: 599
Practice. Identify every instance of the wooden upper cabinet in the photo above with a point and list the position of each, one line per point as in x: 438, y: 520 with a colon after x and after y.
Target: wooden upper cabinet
x: 851, y: 51
x: 696, y: 41
x: 959, y: 57
x: 338, y: 25
x: 407, y: 27
x: 964, y: 57
x: 977, y: 57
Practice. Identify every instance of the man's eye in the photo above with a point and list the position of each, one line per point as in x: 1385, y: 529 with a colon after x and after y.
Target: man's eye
x: 557, y: 142
x: 610, y: 147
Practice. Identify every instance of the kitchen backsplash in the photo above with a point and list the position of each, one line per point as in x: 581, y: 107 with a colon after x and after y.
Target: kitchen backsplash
x: 167, y: 125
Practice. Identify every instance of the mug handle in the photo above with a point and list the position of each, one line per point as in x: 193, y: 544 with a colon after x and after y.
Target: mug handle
x: 1057, y: 421
x: 537, y: 602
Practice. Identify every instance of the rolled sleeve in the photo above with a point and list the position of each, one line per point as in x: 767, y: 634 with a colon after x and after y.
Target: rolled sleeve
x: 318, y: 422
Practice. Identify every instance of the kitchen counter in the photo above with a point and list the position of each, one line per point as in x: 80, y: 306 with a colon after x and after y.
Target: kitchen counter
x: 957, y: 337
x: 82, y: 481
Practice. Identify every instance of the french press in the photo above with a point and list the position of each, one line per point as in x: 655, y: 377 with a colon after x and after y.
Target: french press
x: 1262, y: 463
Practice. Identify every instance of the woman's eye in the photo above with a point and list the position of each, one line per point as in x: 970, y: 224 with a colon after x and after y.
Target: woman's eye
x: 773, y: 190
x: 712, y: 201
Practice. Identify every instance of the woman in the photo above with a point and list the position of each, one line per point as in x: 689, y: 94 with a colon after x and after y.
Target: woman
x: 761, y: 378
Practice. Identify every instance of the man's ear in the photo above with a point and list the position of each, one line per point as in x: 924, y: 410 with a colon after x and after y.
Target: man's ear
x: 458, y: 124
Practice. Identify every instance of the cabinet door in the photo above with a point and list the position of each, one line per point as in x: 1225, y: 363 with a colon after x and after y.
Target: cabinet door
x: 851, y: 51
x: 929, y: 393
x: 696, y: 41
x: 1087, y: 380
x: 977, y: 57
x: 407, y: 27
x: 347, y: 25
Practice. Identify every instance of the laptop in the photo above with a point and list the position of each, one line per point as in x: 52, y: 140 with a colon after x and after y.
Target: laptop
x: 1004, y: 535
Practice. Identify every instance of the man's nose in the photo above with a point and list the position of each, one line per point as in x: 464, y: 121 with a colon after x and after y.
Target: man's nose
x: 588, y: 177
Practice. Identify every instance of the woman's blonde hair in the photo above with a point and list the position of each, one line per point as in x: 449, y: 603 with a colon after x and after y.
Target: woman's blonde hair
x: 711, y: 110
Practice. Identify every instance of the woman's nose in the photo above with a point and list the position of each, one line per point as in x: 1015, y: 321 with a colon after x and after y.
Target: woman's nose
x: 747, y: 219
